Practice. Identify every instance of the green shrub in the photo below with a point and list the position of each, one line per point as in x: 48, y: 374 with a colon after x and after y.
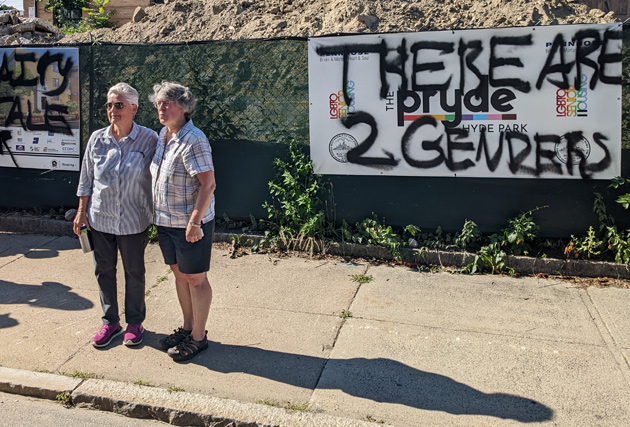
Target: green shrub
x: 470, y: 236
x: 294, y: 211
x: 588, y: 245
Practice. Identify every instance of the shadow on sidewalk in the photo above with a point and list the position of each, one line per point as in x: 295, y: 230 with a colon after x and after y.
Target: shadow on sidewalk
x: 6, y: 321
x: 380, y: 380
x: 48, y: 295
x: 38, y: 253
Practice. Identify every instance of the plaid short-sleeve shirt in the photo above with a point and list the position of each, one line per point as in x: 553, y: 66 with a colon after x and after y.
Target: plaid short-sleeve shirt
x: 174, y: 176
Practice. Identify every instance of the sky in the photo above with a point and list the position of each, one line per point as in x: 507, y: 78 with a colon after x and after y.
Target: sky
x: 18, y: 4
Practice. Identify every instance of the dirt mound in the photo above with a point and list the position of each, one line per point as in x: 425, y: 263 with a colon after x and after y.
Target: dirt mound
x: 188, y: 20
x: 21, y: 31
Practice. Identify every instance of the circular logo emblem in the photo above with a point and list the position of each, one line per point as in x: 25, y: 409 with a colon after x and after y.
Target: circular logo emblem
x: 340, y: 145
x: 582, y: 146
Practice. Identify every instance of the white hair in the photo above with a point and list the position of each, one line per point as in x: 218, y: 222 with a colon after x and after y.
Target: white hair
x: 126, y: 91
x: 172, y: 91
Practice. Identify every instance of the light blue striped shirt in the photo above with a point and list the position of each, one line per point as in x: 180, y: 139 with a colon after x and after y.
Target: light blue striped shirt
x: 116, y: 175
x: 175, y: 183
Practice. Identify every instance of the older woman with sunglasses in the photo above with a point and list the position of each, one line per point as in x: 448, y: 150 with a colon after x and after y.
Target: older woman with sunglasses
x: 116, y: 206
x: 183, y: 199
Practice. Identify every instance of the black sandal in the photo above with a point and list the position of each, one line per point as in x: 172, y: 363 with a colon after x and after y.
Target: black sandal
x: 174, y: 339
x: 188, y: 348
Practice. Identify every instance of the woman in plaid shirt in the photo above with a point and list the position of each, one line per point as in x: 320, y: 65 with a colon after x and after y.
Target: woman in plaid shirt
x: 183, y: 199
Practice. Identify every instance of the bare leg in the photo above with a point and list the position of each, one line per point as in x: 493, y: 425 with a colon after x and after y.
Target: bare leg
x: 184, y: 297
x: 201, y: 296
x: 195, y: 296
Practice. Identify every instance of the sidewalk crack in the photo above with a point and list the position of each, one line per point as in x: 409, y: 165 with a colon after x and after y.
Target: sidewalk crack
x: 68, y: 360
x: 341, y: 324
x: 608, y: 338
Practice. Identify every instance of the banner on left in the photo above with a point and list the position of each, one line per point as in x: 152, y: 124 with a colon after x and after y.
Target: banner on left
x: 39, y: 108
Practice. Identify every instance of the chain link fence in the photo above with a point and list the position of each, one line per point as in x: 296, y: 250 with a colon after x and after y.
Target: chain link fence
x: 256, y: 91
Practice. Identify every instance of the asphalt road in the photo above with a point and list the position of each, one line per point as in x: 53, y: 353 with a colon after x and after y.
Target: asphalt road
x: 23, y: 411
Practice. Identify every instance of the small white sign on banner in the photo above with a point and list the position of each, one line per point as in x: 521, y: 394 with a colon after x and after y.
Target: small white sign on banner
x: 39, y: 108
x: 528, y: 102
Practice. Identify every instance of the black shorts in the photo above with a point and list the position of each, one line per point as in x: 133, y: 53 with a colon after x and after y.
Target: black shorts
x: 191, y: 258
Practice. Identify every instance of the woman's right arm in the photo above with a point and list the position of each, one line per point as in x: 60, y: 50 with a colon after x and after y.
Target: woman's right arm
x: 84, y: 191
x: 81, y: 217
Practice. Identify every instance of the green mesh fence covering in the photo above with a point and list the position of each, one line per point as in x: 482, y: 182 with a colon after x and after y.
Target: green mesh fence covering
x: 256, y: 91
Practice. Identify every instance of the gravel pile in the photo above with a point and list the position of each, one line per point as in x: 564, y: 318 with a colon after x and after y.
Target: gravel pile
x: 190, y: 20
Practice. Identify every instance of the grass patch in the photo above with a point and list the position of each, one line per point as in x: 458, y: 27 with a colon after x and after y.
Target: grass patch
x: 300, y: 407
x: 374, y: 420
x: 428, y: 268
x: 82, y: 375
x: 142, y: 382
x: 362, y: 278
x: 157, y: 282
x: 345, y: 314
x: 174, y: 389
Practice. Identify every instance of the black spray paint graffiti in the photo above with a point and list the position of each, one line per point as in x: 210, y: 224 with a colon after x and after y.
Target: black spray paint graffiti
x: 5, y: 135
x: 592, y: 54
x: 53, y: 120
x: 519, y: 147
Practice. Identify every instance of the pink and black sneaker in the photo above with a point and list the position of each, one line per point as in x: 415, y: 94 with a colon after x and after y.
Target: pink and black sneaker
x: 133, y: 335
x: 106, y: 334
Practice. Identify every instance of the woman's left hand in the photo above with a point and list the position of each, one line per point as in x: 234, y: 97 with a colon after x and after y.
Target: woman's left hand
x: 193, y: 234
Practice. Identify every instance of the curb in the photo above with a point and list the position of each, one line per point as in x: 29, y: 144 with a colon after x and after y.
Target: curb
x: 521, y: 264
x: 178, y: 408
x: 36, y: 225
x: 35, y: 384
x: 529, y: 266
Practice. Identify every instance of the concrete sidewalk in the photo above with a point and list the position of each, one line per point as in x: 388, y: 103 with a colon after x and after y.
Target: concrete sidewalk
x: 414, y: 349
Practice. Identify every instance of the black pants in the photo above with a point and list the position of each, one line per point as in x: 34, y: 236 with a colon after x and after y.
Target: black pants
x: 132, y: 246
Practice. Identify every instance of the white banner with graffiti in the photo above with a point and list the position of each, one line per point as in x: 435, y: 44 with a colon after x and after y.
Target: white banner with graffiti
x: 529, y: 102
x: 39, y: 108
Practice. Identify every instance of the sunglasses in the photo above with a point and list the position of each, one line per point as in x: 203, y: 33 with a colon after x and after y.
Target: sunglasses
x: 164, y: 103
x: 116, y: 105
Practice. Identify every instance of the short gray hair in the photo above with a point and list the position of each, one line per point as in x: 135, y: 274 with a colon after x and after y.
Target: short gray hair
x: 172, y: 91
x: 127, y: 92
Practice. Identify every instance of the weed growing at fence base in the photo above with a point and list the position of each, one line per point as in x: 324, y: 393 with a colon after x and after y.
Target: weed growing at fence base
x: 294, y: 213
x: 296, y: 221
